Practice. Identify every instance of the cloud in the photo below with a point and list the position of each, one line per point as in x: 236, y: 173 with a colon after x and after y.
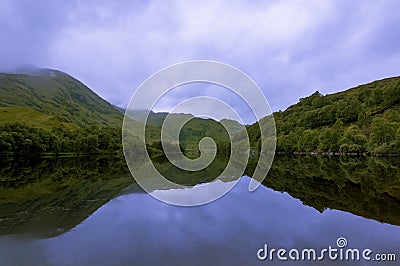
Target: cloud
x: 290, y: 48
x: 191, y: 99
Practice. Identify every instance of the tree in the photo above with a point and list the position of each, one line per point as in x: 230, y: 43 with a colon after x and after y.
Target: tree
x: 309, y: 140
x: 287, y: 143
x: 349, y: 110
x: 353, y: 140
x: 382, y: 131
x: 6, y: 142
x: 328, y: 140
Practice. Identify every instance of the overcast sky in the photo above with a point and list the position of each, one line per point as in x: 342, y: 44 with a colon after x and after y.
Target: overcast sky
x: 289, y: 48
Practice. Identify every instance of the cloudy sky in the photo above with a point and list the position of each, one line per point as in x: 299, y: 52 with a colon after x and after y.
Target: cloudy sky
x: 289, y: 48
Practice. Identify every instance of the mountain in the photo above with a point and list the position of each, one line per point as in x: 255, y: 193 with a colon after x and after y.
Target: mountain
x: 360, y: 120
x: 56, y: 95
x: 234, y: 125
x: 156, y: 119
x: 48, y: 111
x: 193, y: 130
x: 364, y: 119
x: 121, y: 110
x: 33, y: 118
x: 45, y: 110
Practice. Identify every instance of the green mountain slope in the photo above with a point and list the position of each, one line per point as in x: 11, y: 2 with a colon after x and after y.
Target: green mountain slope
x: 45, y: 110
x: 193, y: 130
x: 362, y: 119
x: 33, y: 118
x: 55, y: 93
x: 121, y: 110
x: 49, y: 111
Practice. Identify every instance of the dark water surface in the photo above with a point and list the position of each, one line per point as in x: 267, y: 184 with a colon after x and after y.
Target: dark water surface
x: 76, y: 211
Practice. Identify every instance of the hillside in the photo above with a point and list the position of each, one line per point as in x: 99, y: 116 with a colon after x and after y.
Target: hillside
x: 190, y: 134
x: 55, y: 93
x: 364, y: 119
x: 45, y: 110
x: 33, y: 118
x: 49, y: 111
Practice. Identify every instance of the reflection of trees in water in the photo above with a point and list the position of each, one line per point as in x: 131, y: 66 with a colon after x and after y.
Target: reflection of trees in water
x: 20, y: 172
x: 369, y: 187
x: 190, y: 178
x: 50, y: 196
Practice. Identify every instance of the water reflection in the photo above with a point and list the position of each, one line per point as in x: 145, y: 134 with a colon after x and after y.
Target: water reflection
x: 88, y: 211
x: 136, y: 229
x: 48, y: 197
x: 369, y: 187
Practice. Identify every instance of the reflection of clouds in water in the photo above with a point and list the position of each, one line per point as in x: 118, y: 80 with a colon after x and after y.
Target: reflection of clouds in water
x: 195, y: 194
x: 137, y: 229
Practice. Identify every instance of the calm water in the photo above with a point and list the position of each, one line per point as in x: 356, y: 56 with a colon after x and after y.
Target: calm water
x: 72, y: 211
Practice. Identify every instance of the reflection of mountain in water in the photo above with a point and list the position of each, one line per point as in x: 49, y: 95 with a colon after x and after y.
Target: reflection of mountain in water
x: 369, y: 187
x: 182, y: 177
x: 49, y: 196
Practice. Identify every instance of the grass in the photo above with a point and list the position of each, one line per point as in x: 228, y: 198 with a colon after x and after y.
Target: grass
x: 57, y: 94
x: 32, y: 118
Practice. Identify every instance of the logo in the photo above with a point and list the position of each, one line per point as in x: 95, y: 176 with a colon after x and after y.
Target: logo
x: 338, y: 253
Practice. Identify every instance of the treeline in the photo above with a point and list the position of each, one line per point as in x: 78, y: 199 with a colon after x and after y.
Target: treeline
x: 365, y: 119
x: 381, y: 136
x: 20, y: 138
x: 24, y: 139
x: 362, y: 120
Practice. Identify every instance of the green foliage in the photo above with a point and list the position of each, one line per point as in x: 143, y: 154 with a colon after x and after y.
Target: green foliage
x: 224, y: 147
x: 383, y: 131
x: 54, y: 93
x: 190, y: 134
x: 21, y: 138
x: 308, y: 140
x: 328, y: 139
x: 358, y: 120
x: 32, y: 118
x: 51, y: 112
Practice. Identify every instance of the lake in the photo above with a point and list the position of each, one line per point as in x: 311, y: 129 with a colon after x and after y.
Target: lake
x: 89, y: 211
